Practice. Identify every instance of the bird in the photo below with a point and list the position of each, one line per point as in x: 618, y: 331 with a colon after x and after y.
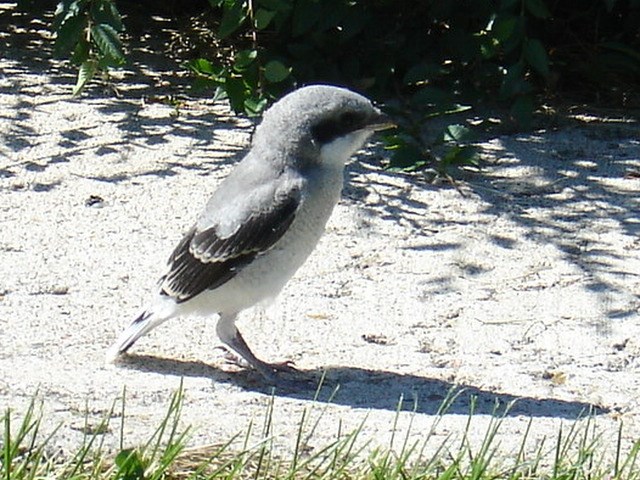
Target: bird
x: 264, y: 219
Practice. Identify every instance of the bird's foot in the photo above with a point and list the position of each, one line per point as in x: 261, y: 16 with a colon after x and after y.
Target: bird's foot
x: 287, y: 366
x: 270, y: 371
x: 230, y: 358
x: 280, y: 374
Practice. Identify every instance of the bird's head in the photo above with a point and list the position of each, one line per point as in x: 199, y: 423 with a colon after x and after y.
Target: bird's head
x: 320, y: 124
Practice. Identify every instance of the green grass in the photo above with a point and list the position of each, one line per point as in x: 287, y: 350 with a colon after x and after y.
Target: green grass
x: 575, y: 453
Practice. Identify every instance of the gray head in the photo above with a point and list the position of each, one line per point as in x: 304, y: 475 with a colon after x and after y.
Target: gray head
x: 319, y: 123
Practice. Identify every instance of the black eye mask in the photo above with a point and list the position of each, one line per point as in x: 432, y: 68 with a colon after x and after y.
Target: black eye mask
x: 329, y: 129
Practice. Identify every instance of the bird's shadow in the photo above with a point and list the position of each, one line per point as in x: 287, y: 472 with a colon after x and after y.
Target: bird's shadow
x: 361, y: 388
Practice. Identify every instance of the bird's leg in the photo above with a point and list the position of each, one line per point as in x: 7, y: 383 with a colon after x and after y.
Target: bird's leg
x: 240, y: 346
x: 231, y: 336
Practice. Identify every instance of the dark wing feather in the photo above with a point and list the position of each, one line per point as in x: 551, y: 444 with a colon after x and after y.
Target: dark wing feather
x: 204, y: 261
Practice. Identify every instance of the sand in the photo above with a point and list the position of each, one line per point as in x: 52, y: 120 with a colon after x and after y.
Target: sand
x: 521, y: 284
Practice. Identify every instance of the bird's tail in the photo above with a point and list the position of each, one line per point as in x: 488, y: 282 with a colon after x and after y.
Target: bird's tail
x: 140, y: 326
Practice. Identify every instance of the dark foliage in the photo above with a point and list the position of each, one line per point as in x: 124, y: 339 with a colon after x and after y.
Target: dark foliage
x: 433, y: 57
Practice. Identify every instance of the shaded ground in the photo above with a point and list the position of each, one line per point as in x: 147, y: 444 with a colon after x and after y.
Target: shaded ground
x: 524, y: 285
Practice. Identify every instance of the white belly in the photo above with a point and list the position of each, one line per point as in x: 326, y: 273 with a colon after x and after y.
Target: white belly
x: 267, y: 274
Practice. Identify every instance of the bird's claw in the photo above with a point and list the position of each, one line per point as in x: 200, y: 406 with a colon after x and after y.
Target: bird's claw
x: 268, y: 370
x: 287, y: 366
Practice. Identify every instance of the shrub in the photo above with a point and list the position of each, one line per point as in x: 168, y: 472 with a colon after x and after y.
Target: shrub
x: 436, y: 57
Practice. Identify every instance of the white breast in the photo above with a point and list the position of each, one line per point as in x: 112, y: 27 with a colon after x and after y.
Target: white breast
x: 267, y: 274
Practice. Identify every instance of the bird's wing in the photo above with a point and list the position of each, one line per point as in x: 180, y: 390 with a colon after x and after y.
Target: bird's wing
x: 206, y: 258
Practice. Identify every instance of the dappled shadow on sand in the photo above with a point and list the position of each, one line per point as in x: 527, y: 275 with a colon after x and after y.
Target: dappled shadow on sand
x: 360, y: 388
x: 34, y: 82
x: 570, y: 189
x: 575, y: 190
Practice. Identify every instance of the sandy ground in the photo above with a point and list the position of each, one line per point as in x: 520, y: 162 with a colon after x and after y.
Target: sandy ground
x: 523, y: 285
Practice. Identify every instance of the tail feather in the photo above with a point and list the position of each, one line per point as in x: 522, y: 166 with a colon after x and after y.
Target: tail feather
x: 139, y: 327
x: 159, y: 310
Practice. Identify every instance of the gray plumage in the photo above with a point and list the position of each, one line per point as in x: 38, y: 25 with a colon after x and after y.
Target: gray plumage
x: 265, y: 218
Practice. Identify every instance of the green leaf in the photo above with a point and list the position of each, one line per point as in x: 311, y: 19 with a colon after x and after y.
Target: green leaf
x: 446, y: 109
x: 263, y: 18
x: 202, y: 66
x: 252, y: 80
x: 275, y: 71
x: 255, y: 106
x: 504, y: 26
x: 236, y: 93
x: 489, y: 47
x: 406, y: 155
x: 219, y: 94
x: 201, y: 83
x: 232, y: 18
x: 516, y: 34
x: 522, y: 111
x: 538, y: 8
x: 108, y: 41
x: 69, y: 34
x: 85, y: 73
x: 130, y: 466
x: 81, y: 52
x: 104, y: 62
x: 536, y: 56
x: 67, y: 9
x: 457, y: 133
x: 105, y: 11
x: 459, y: 155
x: 243, y: 59
x: 407, y: 159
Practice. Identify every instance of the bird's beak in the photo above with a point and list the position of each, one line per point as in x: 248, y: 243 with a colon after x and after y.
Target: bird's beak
x: 380, y: 121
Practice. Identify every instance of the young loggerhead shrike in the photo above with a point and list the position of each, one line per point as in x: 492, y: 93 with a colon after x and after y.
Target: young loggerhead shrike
x: 265, y: 218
